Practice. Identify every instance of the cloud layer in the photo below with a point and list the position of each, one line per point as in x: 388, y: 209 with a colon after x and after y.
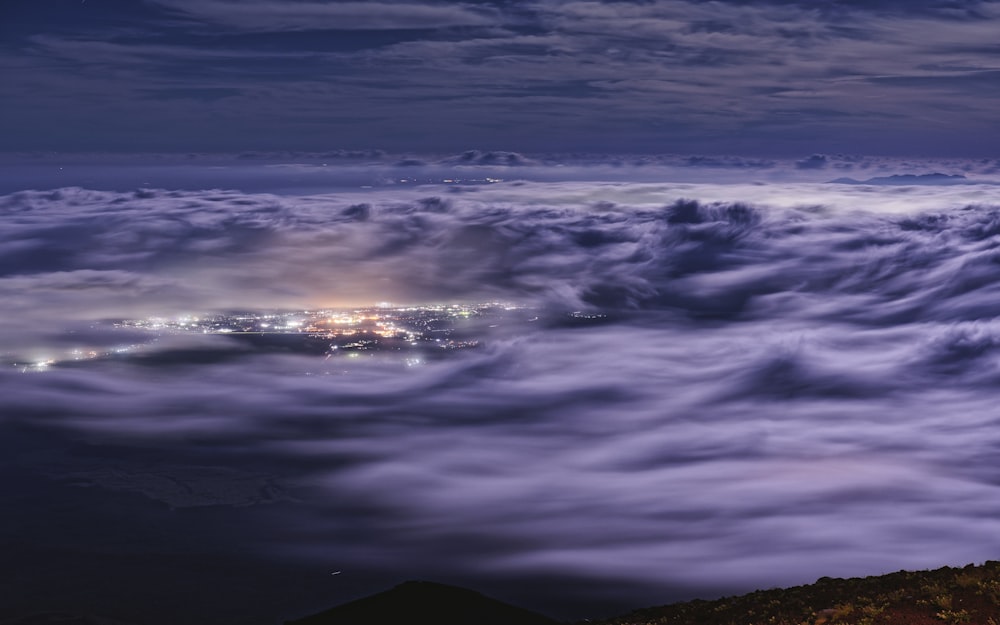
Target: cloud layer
x: 545, y: 75
x: 788, y: 381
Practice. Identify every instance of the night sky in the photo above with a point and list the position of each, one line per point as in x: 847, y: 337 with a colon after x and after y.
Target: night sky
x: 772, y: 77
x: 746, y: 254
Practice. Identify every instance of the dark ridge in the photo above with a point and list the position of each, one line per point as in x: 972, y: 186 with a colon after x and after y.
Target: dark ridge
x: 907, y: 179
x: 425, y: 603
x: 969, y: 595
x: 494, y: 157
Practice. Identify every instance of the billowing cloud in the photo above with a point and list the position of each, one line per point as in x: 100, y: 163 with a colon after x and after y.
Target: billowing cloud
x: 526, y: 241
x: 761, y: 384
x: 477, y: 157
x: 816, y: 161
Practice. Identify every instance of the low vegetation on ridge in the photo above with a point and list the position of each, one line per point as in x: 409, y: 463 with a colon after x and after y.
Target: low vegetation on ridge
x: 967, y: 596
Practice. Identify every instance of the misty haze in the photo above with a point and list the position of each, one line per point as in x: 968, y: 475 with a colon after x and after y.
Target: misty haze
x: 674, y: 397
x: 587, y: 306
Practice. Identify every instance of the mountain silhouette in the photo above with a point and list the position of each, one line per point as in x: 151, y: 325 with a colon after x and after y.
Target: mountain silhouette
x: 425, y: 603
x: 907, y: 179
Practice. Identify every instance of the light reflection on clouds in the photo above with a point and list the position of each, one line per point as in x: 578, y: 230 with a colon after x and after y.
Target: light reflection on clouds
x: 778, y: 382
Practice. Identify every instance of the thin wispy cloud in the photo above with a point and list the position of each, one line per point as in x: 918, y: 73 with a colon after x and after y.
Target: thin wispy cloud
x: 740, y: 77
x: 270, y: 15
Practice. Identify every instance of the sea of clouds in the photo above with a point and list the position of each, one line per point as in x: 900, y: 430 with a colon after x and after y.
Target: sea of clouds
x: 782, y: 381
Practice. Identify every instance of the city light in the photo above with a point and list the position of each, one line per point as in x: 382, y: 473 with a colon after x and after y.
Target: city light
x: 411, y: 333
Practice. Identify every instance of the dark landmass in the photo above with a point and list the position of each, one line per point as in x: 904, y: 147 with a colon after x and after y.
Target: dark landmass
x: 426, y: 603
x: 969, y: 595
x: 907, y: 179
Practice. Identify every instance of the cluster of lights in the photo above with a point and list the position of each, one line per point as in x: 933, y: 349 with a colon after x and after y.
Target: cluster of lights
x: 46, y: 362
x: 486, y: 180
x: 383, y: 327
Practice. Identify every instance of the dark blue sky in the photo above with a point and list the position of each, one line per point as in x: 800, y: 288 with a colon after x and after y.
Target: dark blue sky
x: 769, y: 77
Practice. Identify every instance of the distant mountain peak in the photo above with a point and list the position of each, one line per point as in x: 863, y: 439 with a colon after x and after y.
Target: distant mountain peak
x: 425, y: 603
x: 907, y: 179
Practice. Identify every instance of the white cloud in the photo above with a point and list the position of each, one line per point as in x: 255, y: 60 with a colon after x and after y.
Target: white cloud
x: 794, y: 379
x: 272, y: 15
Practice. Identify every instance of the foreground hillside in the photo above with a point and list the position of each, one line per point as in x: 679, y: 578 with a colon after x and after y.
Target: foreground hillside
x: 969, y: 595
x: 965, y: 596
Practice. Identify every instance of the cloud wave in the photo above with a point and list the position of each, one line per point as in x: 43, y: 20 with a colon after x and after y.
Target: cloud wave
x: 776, y: 390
